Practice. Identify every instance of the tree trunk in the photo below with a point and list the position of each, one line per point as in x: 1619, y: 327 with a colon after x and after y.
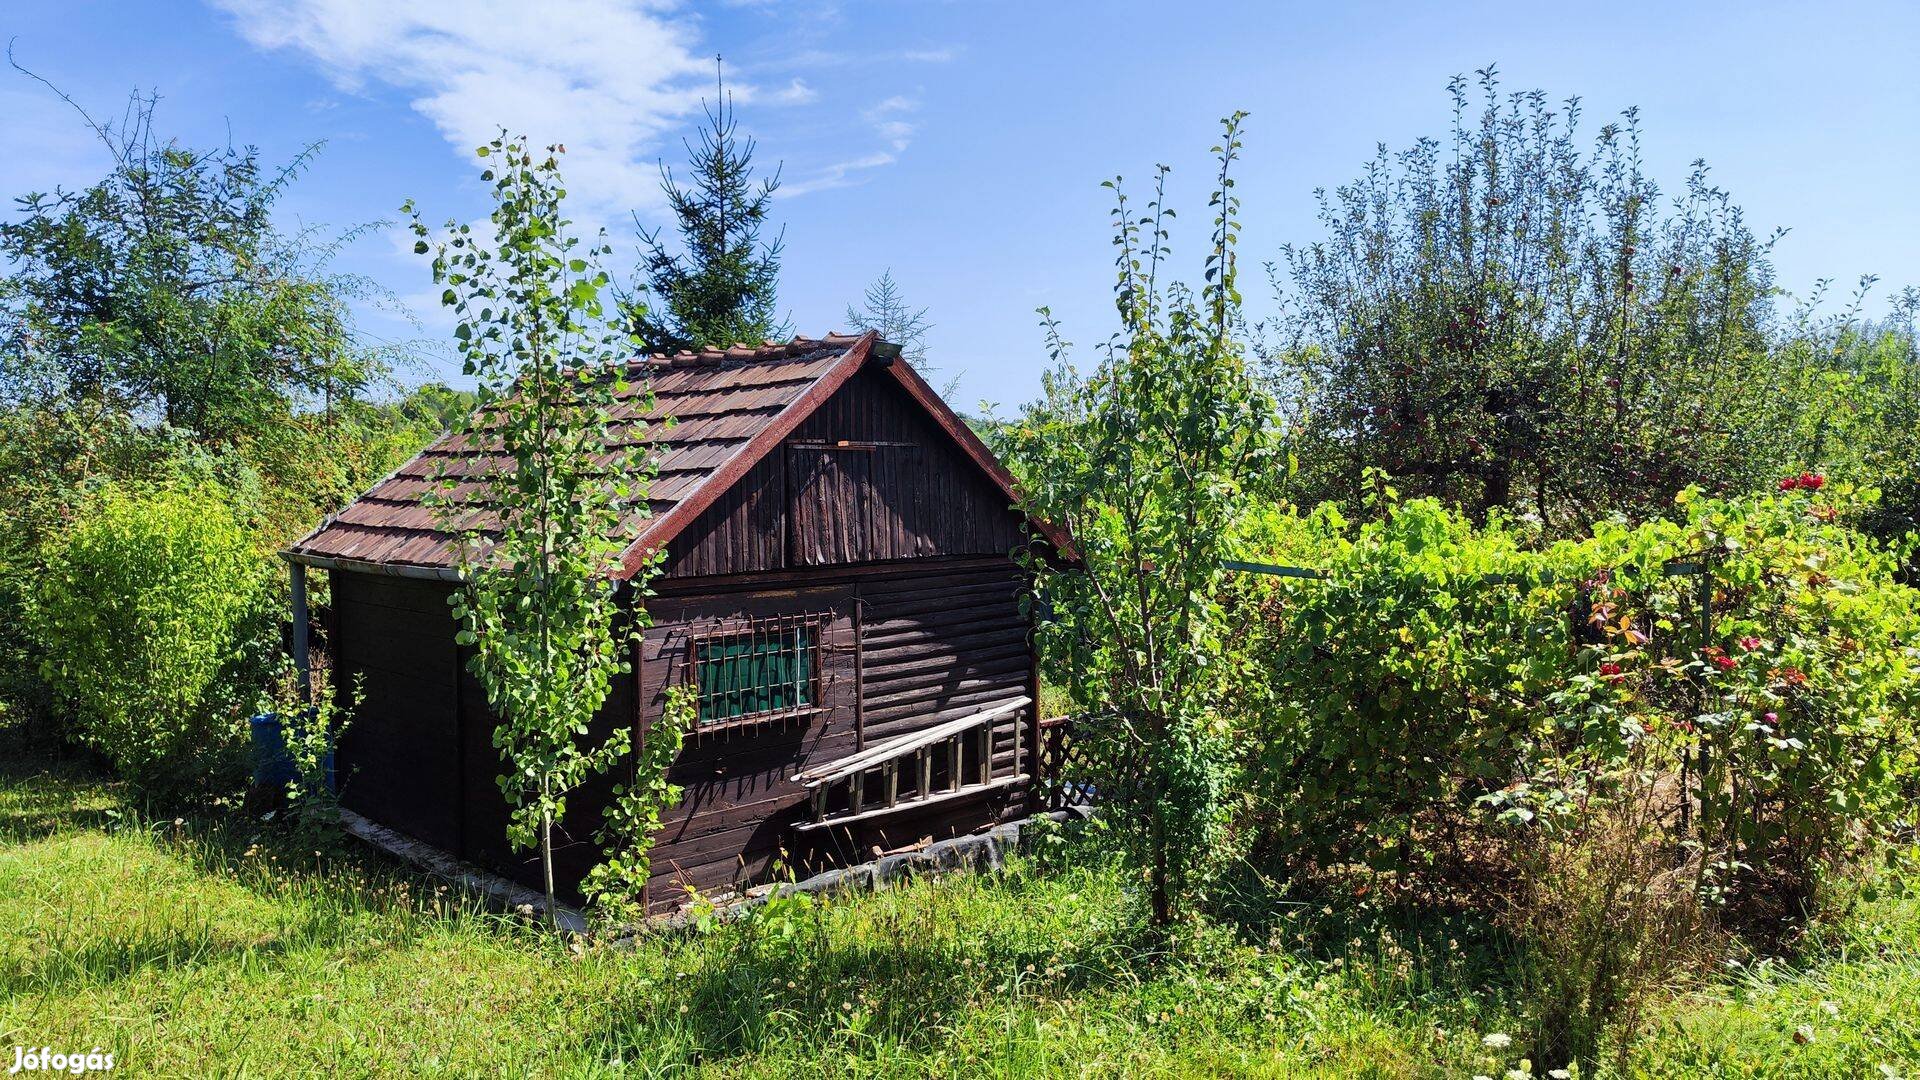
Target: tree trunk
x: 1496, y: 491
x: 546, y: 868
x: 1162, y: 902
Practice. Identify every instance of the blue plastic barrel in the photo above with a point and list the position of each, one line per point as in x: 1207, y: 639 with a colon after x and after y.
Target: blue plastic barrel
x: 272, y: 765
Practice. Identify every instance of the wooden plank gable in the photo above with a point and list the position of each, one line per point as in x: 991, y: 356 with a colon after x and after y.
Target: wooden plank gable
x: 869, y: 476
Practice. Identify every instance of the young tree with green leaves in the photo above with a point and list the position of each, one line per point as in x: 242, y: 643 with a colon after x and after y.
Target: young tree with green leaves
x: 720, y: 287
x: 1148, y: 460
x: 559, y: 491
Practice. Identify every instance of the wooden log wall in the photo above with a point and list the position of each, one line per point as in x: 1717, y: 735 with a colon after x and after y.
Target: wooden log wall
x: 940, y: 638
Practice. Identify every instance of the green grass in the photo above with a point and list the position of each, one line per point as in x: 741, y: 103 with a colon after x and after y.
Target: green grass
x: 209, y: 948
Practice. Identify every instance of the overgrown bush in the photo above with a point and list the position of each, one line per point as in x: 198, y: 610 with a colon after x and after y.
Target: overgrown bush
x: 1612, y: 745
x: 1805, y: 746
x: 1446, y: 681
x: 1387, y: 698
x: 151, y: 617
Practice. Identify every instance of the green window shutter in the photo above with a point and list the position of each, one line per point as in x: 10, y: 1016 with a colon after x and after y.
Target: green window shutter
x: 742, y: 675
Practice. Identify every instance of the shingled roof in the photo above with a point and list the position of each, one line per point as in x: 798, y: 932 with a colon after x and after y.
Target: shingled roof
x: 730, y: 408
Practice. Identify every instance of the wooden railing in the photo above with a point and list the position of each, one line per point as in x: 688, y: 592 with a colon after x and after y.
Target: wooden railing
x: 900, y: 773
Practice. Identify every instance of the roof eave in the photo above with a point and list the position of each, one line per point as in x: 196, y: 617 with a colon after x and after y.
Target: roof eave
x: 368, y: 566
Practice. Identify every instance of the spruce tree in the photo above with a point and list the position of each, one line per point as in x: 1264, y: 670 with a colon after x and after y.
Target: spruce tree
x: 720, y: 287
x: 886, y: 312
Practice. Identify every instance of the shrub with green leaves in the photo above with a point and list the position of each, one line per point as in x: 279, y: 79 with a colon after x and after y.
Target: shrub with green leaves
x: 1400, y: 688
x: 1445, y: 684
x: 148, y: 603
x: 1806, y: 743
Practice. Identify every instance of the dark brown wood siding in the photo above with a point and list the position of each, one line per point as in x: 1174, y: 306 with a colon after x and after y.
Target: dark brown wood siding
x: 869, y: 508
x: 897, y: 489
x: 418, y: 752
x: 745, y: 530
x: 398, y: 761
x: 939, y: 639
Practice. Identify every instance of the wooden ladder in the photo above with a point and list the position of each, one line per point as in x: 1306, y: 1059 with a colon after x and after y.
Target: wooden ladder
x: 916, y: 751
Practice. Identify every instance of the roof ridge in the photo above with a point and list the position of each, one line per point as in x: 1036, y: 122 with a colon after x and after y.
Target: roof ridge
x: 740, y: 351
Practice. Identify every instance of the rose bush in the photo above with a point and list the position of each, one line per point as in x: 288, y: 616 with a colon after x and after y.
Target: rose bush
x: 1446, y: 688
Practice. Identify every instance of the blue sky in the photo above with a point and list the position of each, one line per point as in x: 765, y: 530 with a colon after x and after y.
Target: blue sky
x: 962, y: 143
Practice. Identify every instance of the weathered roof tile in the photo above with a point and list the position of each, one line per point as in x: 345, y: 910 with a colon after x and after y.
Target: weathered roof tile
x: 718, y: 401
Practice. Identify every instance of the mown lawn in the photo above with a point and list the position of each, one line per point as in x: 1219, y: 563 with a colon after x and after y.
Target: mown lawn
x: 206, y: 948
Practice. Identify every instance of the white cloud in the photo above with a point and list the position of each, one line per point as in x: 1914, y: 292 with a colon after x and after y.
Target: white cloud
x: 839, y: 174
x: 814, y: 59
x: 604, y: 77
x: 885, y: 119
x: 894, y: 104
x: 796, y: 92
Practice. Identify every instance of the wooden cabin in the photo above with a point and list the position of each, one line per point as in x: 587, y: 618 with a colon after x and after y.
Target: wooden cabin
x: 838, y: 587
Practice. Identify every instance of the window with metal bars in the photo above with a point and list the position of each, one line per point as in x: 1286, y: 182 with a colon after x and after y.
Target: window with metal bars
x: 760, y: 670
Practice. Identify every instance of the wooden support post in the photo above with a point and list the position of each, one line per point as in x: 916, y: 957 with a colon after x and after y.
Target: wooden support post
x: 1033, y: 768
x: 986, y: 753
x: 820, y: 802
x: 953, y: 749
x: 926, y: 771
x: 1018, y: 724
x: 859, y: 682
x: 302, y: 660
x: 859, y: 786
x: 893, y: 783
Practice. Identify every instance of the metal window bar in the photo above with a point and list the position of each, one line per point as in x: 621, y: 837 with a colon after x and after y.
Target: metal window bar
x: 757, y: 671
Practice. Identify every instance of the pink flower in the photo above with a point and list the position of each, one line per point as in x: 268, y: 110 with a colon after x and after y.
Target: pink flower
x: 1812, y: 481
x: 1789, y: 483
x: 1749, y: 643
